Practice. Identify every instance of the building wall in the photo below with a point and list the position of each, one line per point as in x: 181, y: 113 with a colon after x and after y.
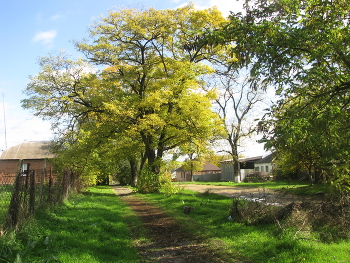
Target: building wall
x: 263, y: 167
x: 183, y: 176
x: 227, y: 172
x: 209, y: 177
x: 10, y: 166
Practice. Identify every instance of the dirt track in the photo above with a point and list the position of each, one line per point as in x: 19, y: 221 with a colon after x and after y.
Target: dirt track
x: 168, y: 243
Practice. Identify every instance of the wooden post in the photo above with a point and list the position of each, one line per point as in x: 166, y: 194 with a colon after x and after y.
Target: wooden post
x: 32, y: 192
x: 26, y: 188
x: 49, y: 198
x: 42, y: 182
x: 14, y: 207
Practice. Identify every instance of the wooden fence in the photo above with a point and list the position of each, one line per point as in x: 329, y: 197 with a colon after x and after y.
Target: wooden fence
x: 22, y: 193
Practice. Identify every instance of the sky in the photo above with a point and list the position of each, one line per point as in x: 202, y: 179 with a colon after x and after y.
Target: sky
x: 30, y: 29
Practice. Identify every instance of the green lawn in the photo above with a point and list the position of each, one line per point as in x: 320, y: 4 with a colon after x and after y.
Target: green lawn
x: 94, y: 227
x: 90, y: 227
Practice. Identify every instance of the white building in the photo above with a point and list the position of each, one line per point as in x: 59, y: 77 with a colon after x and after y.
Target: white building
x: 246, y: 166
x: 264, y: 165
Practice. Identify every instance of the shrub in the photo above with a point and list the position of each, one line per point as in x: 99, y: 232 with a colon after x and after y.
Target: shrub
x: 327, y: 220
x: 148, y: 182
x: 166, y: 185
x: 257, y: 177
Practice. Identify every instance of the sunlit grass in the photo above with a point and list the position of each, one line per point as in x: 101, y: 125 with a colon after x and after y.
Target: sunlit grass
x: 251, y: 243
x: 5, y: 198
x: 89, y: 227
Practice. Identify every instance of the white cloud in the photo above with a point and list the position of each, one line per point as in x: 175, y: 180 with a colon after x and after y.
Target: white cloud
x: 55, y: 17
x: 24, y: 129
x: 45, y: 37
x: 21, y: 126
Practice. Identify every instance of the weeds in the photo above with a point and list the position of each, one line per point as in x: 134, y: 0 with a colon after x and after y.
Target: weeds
x: 327, y: 220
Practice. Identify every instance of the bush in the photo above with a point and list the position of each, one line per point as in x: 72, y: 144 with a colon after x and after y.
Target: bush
x: 148, y: 182
x: 257, y: 177
x: 253, y: 212
x: 166, y: 185
x: 327, y: 220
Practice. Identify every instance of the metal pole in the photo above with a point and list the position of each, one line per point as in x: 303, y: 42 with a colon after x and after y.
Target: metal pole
x: 3, y: 105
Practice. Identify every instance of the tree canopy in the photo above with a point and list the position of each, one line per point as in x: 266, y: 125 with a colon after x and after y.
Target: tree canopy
x: 302, y: 47
x: 147, y: 99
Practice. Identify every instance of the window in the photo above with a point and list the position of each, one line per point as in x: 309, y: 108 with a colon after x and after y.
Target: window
x: 262, y: 168
x: 257, y: 168
x: 24, y: 169
x: 266, y: 168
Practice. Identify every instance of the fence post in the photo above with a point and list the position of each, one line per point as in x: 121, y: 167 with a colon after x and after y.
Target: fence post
x: 14, y: 207
x: 26, y: 188
x: 49, y: 198
x: 32, y: 192
x: 65, y: 184
x: 42, y: 181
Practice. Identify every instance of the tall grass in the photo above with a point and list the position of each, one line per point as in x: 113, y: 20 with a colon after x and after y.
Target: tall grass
x: 89, y: 227
x: 248, y: 243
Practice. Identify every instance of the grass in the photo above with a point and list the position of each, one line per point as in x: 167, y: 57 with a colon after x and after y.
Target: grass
x: 90, y: 227
x: 251, y: 243
x: 5, y: 198
x: 94, y: 227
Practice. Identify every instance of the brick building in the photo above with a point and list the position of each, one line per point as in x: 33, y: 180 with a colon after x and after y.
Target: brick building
x: 35, y: 155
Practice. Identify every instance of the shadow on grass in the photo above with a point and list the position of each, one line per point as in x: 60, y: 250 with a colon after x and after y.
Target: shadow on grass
x: 90, y: 227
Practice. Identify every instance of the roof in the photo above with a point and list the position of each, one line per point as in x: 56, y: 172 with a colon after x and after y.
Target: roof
x: 28, y: 150
x: 210, y: 167
x: 206, y: 167
x: 243, y: 160
x: 266, y: 159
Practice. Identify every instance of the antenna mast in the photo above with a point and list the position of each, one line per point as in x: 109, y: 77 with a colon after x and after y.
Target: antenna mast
x: 3, y: 105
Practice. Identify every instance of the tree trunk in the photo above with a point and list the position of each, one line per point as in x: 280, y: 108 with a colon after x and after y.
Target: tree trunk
x: 236, y: 170
x: 134, y: 172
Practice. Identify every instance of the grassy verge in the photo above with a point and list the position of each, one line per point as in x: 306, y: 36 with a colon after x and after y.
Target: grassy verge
x: 251, y: 243
x: 90, y: 227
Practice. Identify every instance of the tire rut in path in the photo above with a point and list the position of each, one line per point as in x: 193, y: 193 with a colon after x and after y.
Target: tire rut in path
x: 168, y: 242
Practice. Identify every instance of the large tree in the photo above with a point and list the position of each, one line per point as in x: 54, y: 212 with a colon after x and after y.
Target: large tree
x: 149, y: 89
x: 146, y: 52
x: 303, y: 48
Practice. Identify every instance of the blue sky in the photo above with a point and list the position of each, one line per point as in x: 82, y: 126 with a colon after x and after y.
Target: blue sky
x: 30, y: 29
